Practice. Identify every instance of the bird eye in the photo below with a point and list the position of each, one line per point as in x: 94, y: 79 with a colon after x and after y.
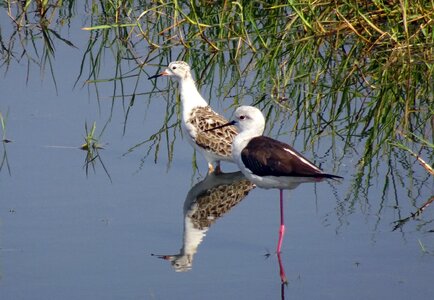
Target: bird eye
x: 173, y: 68
x: 242, y: 117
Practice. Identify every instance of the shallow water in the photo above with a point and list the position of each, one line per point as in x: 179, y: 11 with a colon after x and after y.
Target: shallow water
x: 66, y: 234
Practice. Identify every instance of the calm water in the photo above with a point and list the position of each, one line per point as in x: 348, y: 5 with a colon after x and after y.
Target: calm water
x: 68, y: 235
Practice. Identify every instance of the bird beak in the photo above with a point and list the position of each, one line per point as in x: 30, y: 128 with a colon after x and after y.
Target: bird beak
x: 164, y: 73
x: 221, y: 126
x: 165, y: 257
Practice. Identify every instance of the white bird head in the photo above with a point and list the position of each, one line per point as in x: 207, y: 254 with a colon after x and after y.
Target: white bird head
x: 179, y: 69
x: 249, y: 118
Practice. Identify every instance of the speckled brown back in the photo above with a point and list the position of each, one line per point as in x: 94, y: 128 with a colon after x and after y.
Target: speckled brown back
x: 218, y: 141
x: 215, y: 202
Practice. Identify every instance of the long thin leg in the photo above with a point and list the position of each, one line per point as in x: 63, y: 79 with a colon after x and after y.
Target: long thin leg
x: 282, y: 274
x: 282, y: 224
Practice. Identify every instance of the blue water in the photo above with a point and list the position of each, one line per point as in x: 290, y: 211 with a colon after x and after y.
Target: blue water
x: 65, y: 234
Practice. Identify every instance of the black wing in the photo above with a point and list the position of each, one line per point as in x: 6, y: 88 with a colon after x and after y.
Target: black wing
x: 265, y: 156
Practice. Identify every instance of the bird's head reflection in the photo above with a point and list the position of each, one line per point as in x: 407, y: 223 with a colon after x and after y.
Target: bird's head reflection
x: 180, y: 263
x: 206, y: 202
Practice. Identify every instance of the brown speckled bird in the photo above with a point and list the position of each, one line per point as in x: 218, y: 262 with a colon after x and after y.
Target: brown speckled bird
x: 197, y: 117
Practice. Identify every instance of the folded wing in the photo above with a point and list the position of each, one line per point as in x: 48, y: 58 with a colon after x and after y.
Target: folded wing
x: 265, y: 156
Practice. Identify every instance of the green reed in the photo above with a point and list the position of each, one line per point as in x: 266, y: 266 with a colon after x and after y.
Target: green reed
x: 356, y: 71
x: 92, y: 146
x: 367, y: 67
x: 34, y: 32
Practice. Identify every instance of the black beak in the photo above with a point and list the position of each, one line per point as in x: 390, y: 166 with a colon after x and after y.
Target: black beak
x: 155, y: 76
x: 166, y: 257
x: 164, y: 73
x: 221, y: 126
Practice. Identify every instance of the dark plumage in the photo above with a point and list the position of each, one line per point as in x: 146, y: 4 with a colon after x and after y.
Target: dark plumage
x: 265, y: 156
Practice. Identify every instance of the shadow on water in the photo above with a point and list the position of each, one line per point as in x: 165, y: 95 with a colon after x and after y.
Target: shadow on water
x: 4, y: 156
x: 206, y: 202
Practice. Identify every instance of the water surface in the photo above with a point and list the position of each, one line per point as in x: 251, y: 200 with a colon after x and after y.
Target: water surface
x: 70, y: 234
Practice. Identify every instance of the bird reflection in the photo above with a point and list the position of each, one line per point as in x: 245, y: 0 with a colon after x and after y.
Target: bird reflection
x: 207, y: 201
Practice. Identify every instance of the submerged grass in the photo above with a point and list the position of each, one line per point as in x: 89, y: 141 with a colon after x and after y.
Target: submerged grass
x: 3, y: 127
x: 90, y: 140
x: 92, y: 147
x: 417, y: 155
x: 4, y: 159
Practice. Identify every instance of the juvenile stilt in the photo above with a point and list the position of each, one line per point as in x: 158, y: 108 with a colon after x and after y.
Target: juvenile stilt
x: 197, y: 117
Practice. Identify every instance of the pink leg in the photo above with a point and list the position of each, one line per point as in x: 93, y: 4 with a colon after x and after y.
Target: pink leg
x: 282, y: 224
x: 281, y: 272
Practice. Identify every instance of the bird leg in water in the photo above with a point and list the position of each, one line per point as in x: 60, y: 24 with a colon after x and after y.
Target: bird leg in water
x: 282, y: 224
x: 282, y: 274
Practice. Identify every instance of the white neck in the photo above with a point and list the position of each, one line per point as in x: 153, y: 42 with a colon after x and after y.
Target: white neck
x: 241, y: 140
x: 190, y: 96
x: 192, y: 237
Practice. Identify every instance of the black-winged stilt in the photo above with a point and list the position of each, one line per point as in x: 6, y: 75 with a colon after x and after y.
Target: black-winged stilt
x: 267, y: 162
